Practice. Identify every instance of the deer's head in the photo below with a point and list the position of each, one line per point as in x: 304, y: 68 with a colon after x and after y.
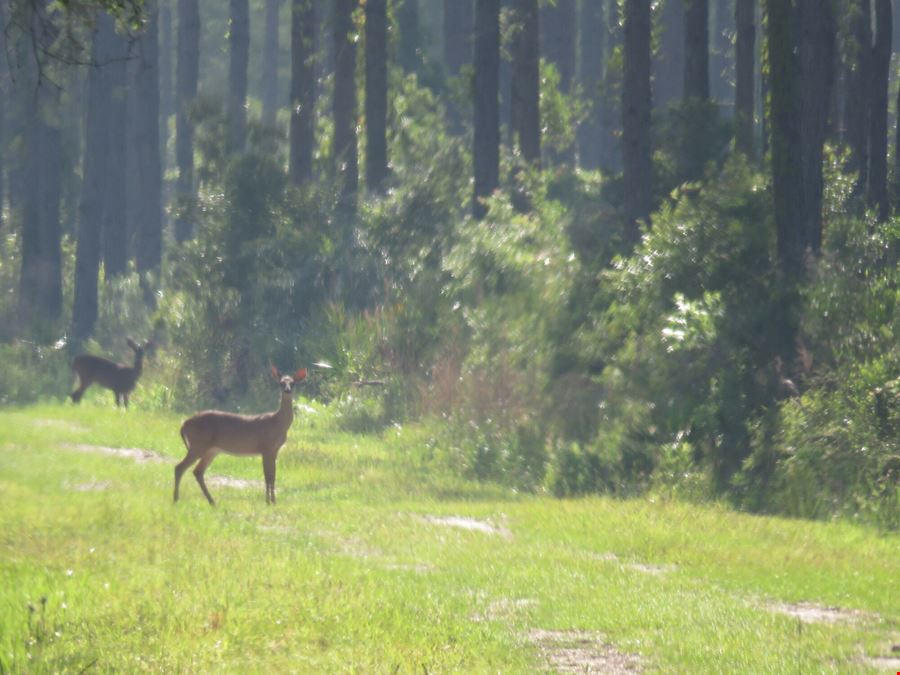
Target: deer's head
x: 286, y: 382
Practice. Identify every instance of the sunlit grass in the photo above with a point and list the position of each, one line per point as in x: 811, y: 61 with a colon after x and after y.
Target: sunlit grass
x: 353, y: 570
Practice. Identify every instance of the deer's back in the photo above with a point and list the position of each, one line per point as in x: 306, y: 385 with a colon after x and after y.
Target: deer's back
x: 233, y: 433
x: 103, y: 371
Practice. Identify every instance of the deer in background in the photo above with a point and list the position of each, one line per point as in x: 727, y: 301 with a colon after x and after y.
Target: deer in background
x: 208, y: 433
x: 115, y: 376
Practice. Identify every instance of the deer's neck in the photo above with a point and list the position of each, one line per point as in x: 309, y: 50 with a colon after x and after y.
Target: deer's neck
x: 285, y: 412
x: 138, y: 364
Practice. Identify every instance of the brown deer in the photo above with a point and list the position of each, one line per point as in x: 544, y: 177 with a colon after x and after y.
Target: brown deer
x: 115, y: 376
x: 208, y: 433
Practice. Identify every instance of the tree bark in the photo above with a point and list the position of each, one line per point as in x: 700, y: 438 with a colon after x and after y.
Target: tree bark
x: 636, y: 102
x: 668, y: 63
x: 486, y: 149
x: 376, y: 94
x: 90, y: 212
x: 145, y: 194
x: 270, y: 64
x: 611, y: 107
x: 409, y: 56
x: 458, y: 24
x: 525, y: 113
x: 744, y: 92
x: 239, y: 50
x: 858, y: 97
x: 878, y: 123
x: 344, y: 106
x: 114, y: 224
x: 165, y: 77
x: 558, y: 43
x: 696, y: 49
x: 303, y: 90
x: 187, y: 75
x: 591, y: 30
x: 722, y: 56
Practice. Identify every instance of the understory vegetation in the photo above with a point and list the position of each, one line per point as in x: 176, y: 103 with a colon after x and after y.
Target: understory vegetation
x: 534, y: 348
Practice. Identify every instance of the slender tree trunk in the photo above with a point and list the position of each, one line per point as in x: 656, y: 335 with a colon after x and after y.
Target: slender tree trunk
x: 591, y: 30
x: 270, y: 64
x: 486, y: 149
x: 458, y: 25
x: 344, y: 104
x: 611, y: 108
x: 559, y: 39
x: 4, y: 93
x: 745, y: 89
x: 91, y: 209
x: 858, y: 96
x: 114, y: 225
x: 303, y: 90
x: 145, y: 195
x: 636, y: 102
x: 668, y: 64
x: 722, y: 56
x: 165, y: 78
x: 525, y: 113
x: 376, y: 94
x: 881, y: 67
x: 409, y: 55
x: 187, y: 75
x: 816, y: 49
x: 696, y: 49
x: 239, y: 49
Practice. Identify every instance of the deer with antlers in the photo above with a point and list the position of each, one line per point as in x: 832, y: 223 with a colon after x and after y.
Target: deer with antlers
x: 208, y: 433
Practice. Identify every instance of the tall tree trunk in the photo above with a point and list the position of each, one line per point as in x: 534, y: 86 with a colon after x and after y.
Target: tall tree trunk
x: 591, y: 29
x: 165, y: 78
x: 344, y: 105
x: 40, y: 282
x: 4, y: 93
x: 409, y: 50
x: 816, y: 48
x: 636, y: 102
x: 486, y: 149
x: 858, y: 71
x: 668, y: 63
x: 114, y: 225
x: 696, y: 49
x: 91, y: 209
x: 722, y: 56
x: 559, y: 39
x: 881, y: 67
x: 187, y: 75
x: 303, y: 90
x: 376, y: 94
x: 458, y: 25
x: 145, y: 195
x: 525, y: 113
x: 239, y: 49
x: 611, y: 107
x: 745, y: 90
x: 270, y: 64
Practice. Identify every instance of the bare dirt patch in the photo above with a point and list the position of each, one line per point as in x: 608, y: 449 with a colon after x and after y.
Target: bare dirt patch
x: 886, y: 663
x: 809, y: 612
x: 471, y: 524
x: 582, y: 652
x: 138, y: 455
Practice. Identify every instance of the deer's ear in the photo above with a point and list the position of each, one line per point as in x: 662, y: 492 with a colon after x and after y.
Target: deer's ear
x: 275, y: 373
x: 300, y: 374
x: 131, y: 343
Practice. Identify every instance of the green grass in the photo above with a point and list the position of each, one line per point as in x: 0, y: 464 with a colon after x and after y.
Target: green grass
x: 352, y: 570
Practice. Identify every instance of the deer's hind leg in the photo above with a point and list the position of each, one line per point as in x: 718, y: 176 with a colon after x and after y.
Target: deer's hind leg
x: 184, y: 464
x: 200, y: 469
x: 83, y: 384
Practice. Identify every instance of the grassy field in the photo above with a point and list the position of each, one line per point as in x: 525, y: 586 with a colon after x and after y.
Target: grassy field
x: 372, y: 563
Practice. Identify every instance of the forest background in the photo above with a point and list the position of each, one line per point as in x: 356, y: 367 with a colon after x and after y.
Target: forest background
x: 616, y: 246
